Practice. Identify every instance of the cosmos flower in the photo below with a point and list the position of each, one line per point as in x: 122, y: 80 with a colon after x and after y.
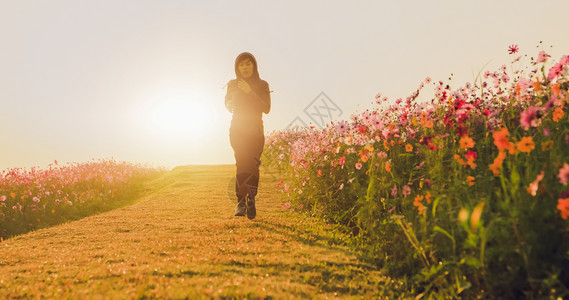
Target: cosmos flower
x: 406, y: 190
x: 558, y: 114
x: 564, y: 174
x: 501, y: 138
x: 529, y: 117
x: 466, y: 142
x: 563, y: 206
x: 542, y: 57
x: 532, y: 189
x: 526, y: 144
x: 394, y: 191
x: 555, y: 71
x: 513, y: 49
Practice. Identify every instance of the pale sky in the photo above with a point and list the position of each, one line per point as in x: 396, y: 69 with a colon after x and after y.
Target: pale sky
x: 142, y: 80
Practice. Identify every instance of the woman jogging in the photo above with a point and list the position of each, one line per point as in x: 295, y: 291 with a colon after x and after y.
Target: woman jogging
x: 247, y: 98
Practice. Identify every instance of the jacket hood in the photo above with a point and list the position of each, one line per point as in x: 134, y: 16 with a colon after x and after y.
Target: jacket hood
x: 240, y: 58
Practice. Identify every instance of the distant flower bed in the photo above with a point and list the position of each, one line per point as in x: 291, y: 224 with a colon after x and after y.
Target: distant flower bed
x: 33, y: 198
x: 465, y: 194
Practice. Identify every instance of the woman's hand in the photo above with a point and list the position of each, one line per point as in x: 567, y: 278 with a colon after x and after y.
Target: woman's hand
x: 244, y: 86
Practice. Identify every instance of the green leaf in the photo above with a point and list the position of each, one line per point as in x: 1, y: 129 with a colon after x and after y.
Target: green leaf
x: 438, y: 229
x: 435, y: 204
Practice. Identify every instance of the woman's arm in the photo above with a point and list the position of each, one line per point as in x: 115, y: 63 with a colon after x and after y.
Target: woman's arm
x: 263, y: 97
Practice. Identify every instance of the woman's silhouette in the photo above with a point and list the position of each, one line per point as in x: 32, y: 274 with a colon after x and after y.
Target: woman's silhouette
x: 248, y: 97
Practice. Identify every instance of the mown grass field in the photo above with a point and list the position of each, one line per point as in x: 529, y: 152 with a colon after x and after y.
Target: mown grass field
x: 180, y: 240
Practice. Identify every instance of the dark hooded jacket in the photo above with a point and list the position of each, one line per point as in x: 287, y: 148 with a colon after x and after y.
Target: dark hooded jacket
x: 248, y: 108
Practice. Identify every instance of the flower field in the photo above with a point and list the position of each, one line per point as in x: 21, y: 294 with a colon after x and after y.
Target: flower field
x: 34, y: 198
x: 465, y: 194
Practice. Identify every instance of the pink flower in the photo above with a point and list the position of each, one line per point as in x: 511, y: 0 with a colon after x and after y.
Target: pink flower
x: 3, y: 198
x: 358, y: 166
x: 524, y: 85
x: 287, y: 205
x: 342, y: 161
x: 406, y: 190
x: 36, y: 199
x: 394, y: 191
x: 528, y: 118
x: 564, y: 174
x: 532, y: 189
x: 555, y: 71
x: 382, y: 155
x: 513, y: 49
x: 542, y: 57
x: 342, y: 127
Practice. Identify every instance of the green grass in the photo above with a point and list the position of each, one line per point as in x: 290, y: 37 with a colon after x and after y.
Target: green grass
x: 179, y: 239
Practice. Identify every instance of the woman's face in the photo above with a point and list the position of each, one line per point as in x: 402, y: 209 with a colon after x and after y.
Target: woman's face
x: 246, y: 68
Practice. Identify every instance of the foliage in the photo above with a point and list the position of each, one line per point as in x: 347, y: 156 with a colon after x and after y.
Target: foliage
x: 34, y: 198
x: 465, y: 194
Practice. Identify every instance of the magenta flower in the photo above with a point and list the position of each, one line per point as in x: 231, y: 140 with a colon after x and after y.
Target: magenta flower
x: 555, y: 71
x: 564, y: 174
x: 394, y: 191
x: 542, y: 57
x: 342, y: 161
x: 406, y: 190
x: 528, y: 118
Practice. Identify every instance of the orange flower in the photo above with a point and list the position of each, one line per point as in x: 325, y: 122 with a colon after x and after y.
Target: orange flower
x: 501, y: 138
x: 563, y: 206
x: 388, y: 167
x: 466, y: 142
x: 526, y: 144
x: 497, y: 164
x: 364, y: 155
x: 512, y: 149
x: 419, y: 205
x: 459, y: 159
x: 385, y: 145
x: 470, y: 180
x: 428, y: 197
x: 425, y: 122
x: 536, y: 85
x: 392, y: 143
x: 408, y: 148
x: 558, y: 114
x: 555, y: 89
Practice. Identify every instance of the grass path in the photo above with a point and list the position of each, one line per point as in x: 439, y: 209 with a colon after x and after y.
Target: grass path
x: 181, y: 241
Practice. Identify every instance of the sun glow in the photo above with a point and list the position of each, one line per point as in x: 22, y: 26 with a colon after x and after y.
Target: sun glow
x: 180, y: 115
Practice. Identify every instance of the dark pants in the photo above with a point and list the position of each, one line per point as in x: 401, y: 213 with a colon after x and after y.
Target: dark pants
x: 247, y: 148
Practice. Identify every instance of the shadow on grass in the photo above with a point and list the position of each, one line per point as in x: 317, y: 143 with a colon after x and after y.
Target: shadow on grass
x: 304, y: 235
